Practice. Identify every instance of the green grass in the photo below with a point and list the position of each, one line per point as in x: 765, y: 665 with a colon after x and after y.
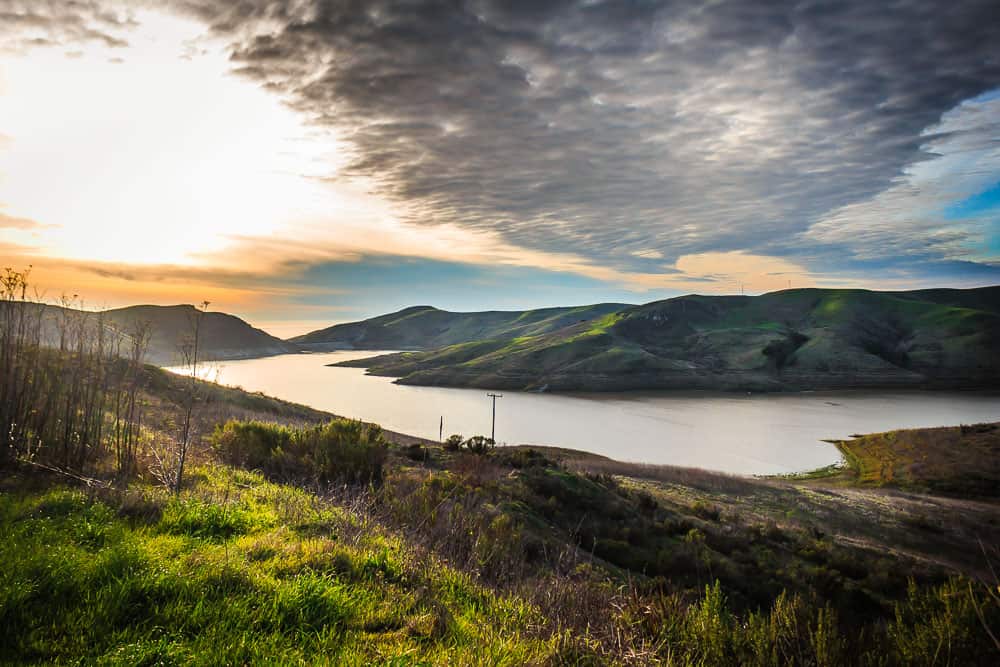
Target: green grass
x: 237, y: 571
x: 832, y: 471
x: 680, y: 567
x: 426, y: 328
x: 602, y: 325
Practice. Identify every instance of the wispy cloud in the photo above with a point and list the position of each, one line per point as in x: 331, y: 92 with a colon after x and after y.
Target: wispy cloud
x: 14, y: 222
x: 918, y: 215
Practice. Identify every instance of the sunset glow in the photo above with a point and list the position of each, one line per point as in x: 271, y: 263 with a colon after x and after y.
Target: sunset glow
x: 168, y: 148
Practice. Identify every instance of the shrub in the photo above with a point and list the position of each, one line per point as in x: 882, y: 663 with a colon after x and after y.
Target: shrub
x: 706, y: 511
x: 251, y: 444
x: 647, y: 503
x: 944, y: 625
x: 417, y: 452
x: 344, y: 449
x: 525, y: 458
x: 454, y: 442
x: 340, y: 450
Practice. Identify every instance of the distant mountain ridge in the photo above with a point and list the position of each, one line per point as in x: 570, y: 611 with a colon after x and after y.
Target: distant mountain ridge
x: 222, y: 336
x: 792, y: 339
x: 426, y: 327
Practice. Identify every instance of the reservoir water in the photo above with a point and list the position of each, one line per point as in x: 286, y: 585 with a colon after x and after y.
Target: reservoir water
x: 737, y: 433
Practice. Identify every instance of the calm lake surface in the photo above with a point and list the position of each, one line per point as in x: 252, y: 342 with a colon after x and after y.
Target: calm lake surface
x: 756, y: 434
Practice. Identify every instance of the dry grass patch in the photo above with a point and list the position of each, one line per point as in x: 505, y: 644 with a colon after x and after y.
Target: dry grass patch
x: 962, y: 460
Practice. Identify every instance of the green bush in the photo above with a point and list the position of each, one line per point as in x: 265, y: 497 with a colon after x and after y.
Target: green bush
x: 524, y: 458
x: 251, y: 444
x: 340, y: 450
x: 795, y: 631
x: 944, y: 625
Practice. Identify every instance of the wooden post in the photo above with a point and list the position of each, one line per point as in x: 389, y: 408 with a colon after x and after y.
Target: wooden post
x: 493, y: 429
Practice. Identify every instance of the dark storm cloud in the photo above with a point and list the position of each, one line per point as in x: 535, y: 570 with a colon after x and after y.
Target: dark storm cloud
x: 623, y: 130
x: 25, y: 24
x: 610, y: 128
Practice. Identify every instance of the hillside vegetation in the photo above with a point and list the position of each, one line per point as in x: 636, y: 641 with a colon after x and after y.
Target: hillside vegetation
x: 424, y: 327
x: 794, y: 339
x: 223, y: 336
x: 154, y: 519
x: 962, y: 460
x: 504, y: 557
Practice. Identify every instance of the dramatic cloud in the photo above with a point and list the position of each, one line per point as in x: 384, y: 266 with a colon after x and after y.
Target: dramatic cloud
x: 624, y: 148
x: 922, y: 213
x: 25, y: 24
x: 625, y: 131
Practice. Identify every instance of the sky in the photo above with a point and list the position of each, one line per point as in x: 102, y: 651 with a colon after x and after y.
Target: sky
x: 309, y: 162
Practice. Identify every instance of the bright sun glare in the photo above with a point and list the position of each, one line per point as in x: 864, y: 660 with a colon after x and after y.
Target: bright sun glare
x: 140, y: 155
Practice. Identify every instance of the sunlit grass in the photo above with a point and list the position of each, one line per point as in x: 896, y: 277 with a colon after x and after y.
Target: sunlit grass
x: 238, y: 570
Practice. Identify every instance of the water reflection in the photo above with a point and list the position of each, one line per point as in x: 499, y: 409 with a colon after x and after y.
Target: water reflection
x: 738, y: 433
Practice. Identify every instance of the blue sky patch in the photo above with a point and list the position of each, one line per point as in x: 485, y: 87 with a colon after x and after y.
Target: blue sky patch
x: 987, y: 200
x: 381, y: 284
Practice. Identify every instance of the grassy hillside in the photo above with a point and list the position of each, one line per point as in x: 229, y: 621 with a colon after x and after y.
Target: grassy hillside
x: 424, y: 327
x: 507, y: 556
x: 237, y: 571
x: 151, y: 518
x: 222, y: 336
x: 794, y: 339
x: 958, y: 460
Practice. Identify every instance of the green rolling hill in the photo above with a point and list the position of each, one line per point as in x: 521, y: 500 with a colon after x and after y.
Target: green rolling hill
x: 793, y: 339
x: 425, y: 327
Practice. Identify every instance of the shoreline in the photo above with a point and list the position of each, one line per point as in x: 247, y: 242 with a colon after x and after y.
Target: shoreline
x: 656, y: 427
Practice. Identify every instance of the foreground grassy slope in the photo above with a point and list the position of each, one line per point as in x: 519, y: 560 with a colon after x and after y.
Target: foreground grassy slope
x: 450, y: 557
x: 237, y: 571
x: 521, y: 556
x: 794, y: 339
x: 424, y: 327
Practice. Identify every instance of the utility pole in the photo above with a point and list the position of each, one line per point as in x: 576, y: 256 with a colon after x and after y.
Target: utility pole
x: 493, y: 430
x: 441, y: 430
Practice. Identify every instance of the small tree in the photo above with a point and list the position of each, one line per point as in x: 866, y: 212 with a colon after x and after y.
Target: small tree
x: 170, y: 465
x: 454, y: 442
x: 127, y: 418
x: 479, y: 444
